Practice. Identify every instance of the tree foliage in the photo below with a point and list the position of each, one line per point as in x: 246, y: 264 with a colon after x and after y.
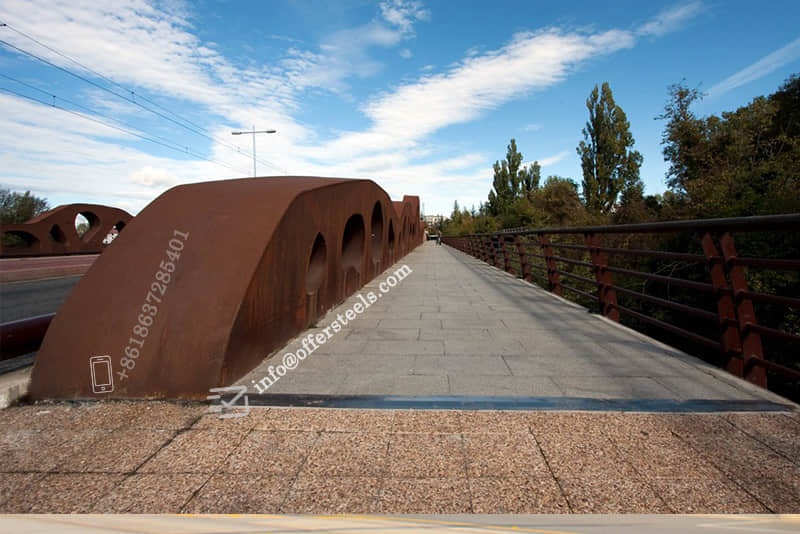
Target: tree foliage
x: 16, y: 208
x: 744, y: 162
x: 609, y: 164
x: 512, y: 181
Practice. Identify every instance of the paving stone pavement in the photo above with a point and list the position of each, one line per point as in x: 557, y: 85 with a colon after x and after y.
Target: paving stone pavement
x: 160, y: 457
x: 457, y: 326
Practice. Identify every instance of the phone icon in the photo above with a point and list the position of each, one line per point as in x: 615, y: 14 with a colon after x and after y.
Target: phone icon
x: 102, y: 377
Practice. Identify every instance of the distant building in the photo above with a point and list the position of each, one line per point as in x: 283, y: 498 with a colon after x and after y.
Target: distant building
x: 432, y: 220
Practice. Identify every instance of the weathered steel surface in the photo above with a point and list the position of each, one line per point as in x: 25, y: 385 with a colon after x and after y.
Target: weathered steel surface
x: 53, y: 232
x: 23, y: 336
x: 259, y: 260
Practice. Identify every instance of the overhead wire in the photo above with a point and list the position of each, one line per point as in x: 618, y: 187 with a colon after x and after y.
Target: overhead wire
x: 171, y: 146
x: 86, y: 109
x: 194, y: 128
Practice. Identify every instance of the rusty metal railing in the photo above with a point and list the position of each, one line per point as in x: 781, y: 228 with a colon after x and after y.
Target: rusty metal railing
x: 712, y: 306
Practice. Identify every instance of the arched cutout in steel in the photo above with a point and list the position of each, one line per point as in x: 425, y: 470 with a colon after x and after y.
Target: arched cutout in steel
x: 53, y: 232
x: 251, y: 263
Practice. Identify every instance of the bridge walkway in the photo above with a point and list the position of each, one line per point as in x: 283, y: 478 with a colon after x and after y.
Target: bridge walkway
x: 456, y: 326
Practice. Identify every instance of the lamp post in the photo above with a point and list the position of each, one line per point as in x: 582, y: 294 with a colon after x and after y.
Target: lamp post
x: 253, y: 132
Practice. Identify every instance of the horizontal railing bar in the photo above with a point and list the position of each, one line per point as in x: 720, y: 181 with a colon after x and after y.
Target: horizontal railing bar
x: 768, y: 263
x: 699, y: 286
x: 579, y: 292
x: 689, y: 310
x: 772, y: 332
x: 569, y: 247
x: 684, y: 256
x: 573, y: 262
x: 576, y: 277
x: 769, y: 299
x: 728, y: 224
x: 671, y: 328
x: 772, y: 366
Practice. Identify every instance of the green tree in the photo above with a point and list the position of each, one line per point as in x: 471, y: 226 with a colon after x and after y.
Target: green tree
x: 557, y: 203
x: 16, y: 208
x: 608, y: 163
x: 681, y: 137
x: 512, y: 180
x: 456, y: 216
x: 741, y: 163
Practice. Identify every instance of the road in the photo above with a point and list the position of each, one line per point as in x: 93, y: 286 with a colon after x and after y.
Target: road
x: 19, y: 300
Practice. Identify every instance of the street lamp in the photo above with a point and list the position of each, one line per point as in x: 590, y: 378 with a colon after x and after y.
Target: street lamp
x: 253, y: 132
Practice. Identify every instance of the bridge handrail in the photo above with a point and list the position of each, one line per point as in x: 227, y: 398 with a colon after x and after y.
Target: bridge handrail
x: 746, y: 224
x: 739, y: 339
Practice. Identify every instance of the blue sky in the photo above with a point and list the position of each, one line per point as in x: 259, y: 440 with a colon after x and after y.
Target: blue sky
x: 420, y: 96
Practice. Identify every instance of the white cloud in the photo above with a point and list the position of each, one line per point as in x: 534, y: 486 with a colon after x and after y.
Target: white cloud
x: 479, y: 83
x: 151, y: 176
x: 763, y: 67
x: 404, y: 13
x: 552, y: 160
x: 345, y: 53
x: 671, y: 19
x: 532, y: 127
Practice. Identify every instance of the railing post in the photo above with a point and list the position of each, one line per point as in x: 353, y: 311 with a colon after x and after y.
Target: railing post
x: 525, y: 269
x: 552, y: 267
x: 506, y: 255
x: 605, y: 281
x: 746, y: 315
x: 729, y: 326
x: 485, y: 248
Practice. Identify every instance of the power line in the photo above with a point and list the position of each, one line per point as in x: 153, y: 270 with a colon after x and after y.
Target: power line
x: 100, y: 75
x: 80, y: 106
x: 121, y: 129
x: 195, y: 128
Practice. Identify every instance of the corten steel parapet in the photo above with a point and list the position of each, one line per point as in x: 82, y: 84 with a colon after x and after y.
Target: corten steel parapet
x: 260, y: 260
x: 53, y: 232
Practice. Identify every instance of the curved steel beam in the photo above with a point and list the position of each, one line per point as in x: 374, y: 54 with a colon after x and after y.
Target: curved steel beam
x: 211, y: 278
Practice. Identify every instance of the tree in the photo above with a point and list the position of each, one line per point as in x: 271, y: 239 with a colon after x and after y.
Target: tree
x: 741, y: 163
x: 609, y: 165
x: 557, y: 203
x: 529, y: 179
x: 682, y: 135
x: 16, y: 208
x: 511, y: 181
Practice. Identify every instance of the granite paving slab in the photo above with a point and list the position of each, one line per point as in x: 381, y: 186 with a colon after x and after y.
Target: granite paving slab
x: 331, y: 461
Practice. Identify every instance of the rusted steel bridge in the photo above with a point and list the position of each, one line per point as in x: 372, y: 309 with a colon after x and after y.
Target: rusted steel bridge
x: 210, y: 278
x: 54, y: 232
